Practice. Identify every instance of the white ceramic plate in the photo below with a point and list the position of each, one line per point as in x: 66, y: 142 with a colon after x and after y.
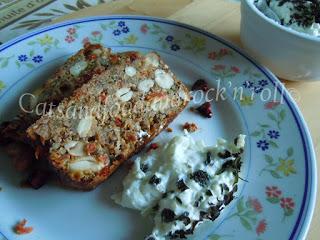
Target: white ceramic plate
x: 279, y: 162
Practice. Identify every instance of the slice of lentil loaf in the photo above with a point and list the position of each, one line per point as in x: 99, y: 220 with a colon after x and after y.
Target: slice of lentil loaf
x: 109, y: 119
x: 77, y: 70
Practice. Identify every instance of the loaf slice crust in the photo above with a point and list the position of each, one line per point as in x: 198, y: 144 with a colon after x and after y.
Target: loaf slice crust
x: 113, y: 116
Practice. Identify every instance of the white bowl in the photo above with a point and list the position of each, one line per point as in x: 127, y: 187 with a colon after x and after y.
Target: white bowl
x: 289, y: 54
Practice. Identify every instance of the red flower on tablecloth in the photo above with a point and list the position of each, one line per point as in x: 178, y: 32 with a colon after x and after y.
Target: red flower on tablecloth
x: 273, y: 192
x: 261, y: 227
x: 69, y: 39
x: 255, y: 204
x: 144, y: 28
x: 71, y: 30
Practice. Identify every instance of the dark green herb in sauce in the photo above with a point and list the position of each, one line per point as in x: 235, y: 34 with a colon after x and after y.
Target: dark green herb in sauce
x: 155, y: 208
x: 201, y: 177
x: 167, y: 215
x: 231, y: 165
x: 209, y: 193
x: 181, y: 185
x: 197, y: 203
x: 305, y: 13
x: 184, y: 218
x: 144, y: 167
x: 154, y: 180
x: 208, y: 159
x: 178, y: 200
x: 225, y: 154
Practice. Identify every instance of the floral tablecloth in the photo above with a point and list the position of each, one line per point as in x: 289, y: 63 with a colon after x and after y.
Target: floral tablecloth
x: 18, y: 17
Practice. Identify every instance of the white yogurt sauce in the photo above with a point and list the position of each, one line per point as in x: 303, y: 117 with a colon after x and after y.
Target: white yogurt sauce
x: 283, y: 15
x: 151, y: 186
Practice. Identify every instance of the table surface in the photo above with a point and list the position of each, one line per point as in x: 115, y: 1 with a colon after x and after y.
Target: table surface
x: 222, y: 18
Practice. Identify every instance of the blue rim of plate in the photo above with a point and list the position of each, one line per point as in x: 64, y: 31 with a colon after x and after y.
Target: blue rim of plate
x: 303, y: 222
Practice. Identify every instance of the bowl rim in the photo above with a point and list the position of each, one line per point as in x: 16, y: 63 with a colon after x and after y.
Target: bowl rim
x: 301, y: 35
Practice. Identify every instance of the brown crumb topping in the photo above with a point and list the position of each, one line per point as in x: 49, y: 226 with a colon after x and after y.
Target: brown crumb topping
x: 20, y: 228
x: 190, y: 127
x: 169, y: 130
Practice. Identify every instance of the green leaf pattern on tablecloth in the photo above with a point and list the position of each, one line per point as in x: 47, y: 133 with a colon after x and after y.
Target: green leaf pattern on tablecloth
x: 52, y: 13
